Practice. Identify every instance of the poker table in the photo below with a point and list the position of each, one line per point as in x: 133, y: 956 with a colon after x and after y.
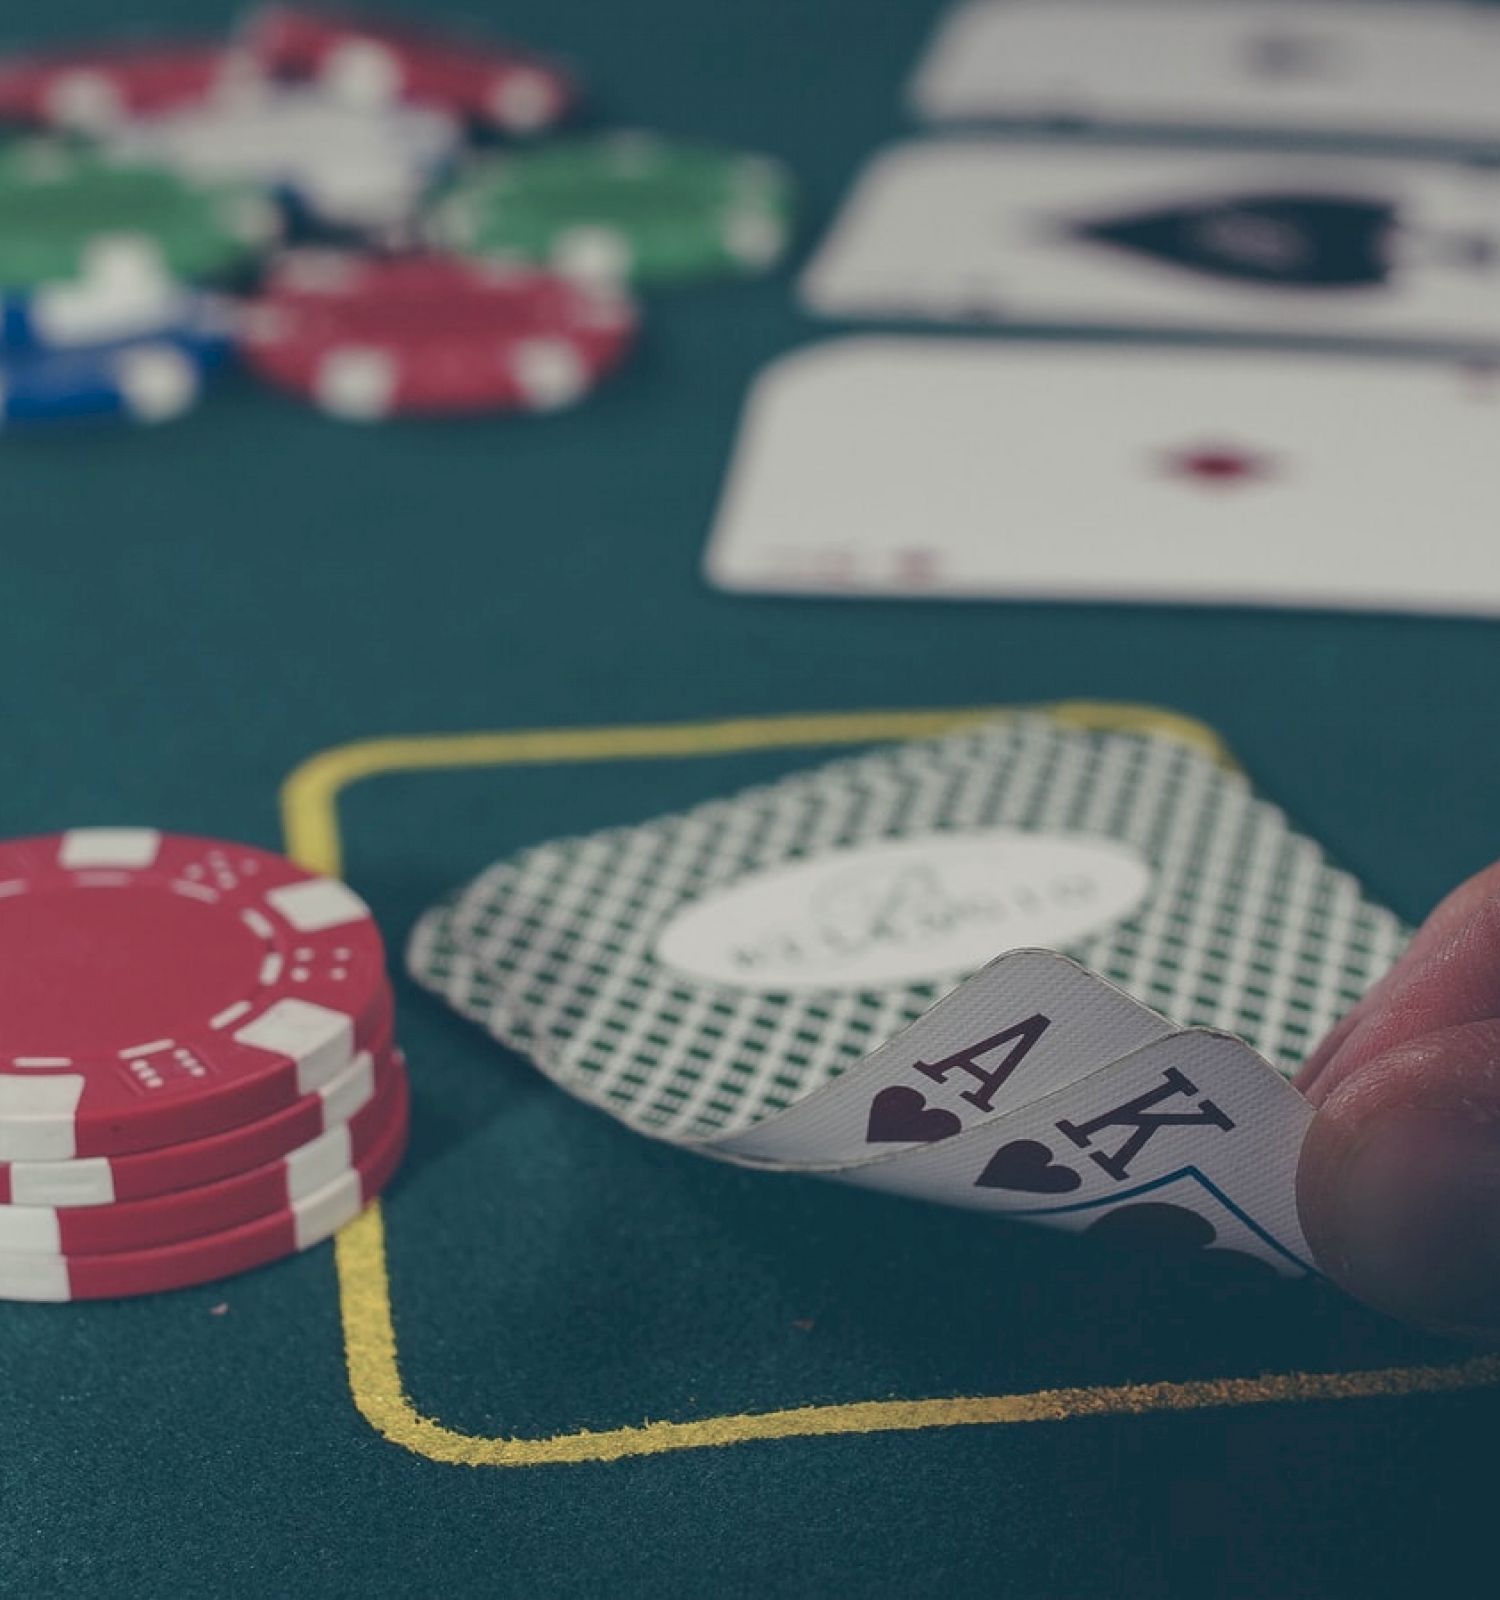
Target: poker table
x: 558, y: 1358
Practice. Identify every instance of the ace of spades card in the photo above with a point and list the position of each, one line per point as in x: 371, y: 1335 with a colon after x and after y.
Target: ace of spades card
x: 803, y: 978
x: 1281, y: 243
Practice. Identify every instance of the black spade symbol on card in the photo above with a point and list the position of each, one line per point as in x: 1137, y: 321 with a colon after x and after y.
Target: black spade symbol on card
x: 902, y: 1116
x: 1149, y: 1224
x: 1286, y: 241
x: 1154, y: 1225
x: 1026, y: 1165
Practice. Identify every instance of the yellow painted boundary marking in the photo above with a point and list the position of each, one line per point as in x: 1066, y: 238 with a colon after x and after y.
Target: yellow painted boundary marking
x: 310, y: 821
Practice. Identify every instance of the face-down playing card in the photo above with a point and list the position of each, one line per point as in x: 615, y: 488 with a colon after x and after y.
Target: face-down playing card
x: 1279, y: 243
x: 1395, y: 69
x: 827, y: 912
x: 894, y: 466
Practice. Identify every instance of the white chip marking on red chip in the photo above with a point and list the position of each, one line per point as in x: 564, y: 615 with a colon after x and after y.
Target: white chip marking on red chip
x: 318, y: 904
x: 359, y: 384
x: 319, y: 1040
x: 108, y: 847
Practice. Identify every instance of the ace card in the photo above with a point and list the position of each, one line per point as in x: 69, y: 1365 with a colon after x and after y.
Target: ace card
x: 901, y: 466
x: 1281, y: 244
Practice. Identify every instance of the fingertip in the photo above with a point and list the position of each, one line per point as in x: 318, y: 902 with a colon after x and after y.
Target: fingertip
x: 1398, y: 1185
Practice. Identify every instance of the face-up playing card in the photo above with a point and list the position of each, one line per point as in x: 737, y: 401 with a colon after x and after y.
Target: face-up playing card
x: 1414, y: 70
x: 1196, y: 1121
x: 1280, y: 243
x: 905, y: 466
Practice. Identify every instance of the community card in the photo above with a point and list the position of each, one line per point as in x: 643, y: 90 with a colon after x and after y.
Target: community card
x: 996, y: 468
x: 1390, y: 69
x: 699, y: 975
x: 1066, y: 234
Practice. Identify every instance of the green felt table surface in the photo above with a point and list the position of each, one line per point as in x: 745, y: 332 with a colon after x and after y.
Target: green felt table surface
x: 191, y: 613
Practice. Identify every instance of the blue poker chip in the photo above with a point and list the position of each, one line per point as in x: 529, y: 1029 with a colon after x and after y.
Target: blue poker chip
x: 63, y: 318
x: 146, y: 380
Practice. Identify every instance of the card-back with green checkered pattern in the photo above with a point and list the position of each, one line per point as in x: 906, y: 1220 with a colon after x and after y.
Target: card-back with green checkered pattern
x: 1240, y: 922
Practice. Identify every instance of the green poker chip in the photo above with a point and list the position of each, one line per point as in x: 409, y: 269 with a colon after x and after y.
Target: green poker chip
x: 623, y: 208
x: 64, y: 206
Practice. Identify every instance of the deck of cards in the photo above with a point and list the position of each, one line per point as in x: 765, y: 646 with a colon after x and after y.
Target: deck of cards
x: 1025, y: 968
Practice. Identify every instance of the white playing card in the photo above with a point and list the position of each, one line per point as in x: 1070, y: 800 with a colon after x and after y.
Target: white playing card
x: 1278, y: 243
x: 907, y: 466
x: 1199, y: 1113
x: 1426, y: 69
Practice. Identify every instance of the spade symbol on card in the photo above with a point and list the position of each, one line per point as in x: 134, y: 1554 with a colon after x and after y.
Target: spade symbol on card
x: 902, y: 1116
x: 1291, y: 241
x: 1151, y: 1223
x: 1027, y: 1165
x: 1154, y: 1225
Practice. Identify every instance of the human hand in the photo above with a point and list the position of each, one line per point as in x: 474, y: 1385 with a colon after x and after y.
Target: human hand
x: 1399, y: 1182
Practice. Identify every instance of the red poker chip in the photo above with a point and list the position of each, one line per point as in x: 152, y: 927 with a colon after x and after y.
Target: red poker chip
x: 366, y: 338
x: 373, y: 61
x: 210, y: 1256
x: 98, y: 87
x: 227, y: 1203
x: 158, y: 987
x: 115, y: 1180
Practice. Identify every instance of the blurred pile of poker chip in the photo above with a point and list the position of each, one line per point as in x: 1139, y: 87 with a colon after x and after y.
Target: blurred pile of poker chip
x: 364, y: 337
x: 365, y: 212
x: 624, y: 207
x: 197, y: 1068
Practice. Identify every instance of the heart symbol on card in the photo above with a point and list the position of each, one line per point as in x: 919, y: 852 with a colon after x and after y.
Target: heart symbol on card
x: 902, y: 1116
x: 1026, y: 1165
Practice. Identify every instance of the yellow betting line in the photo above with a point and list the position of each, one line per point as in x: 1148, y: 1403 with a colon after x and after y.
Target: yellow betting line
x: 310, y: 815
x: 375, y: 1378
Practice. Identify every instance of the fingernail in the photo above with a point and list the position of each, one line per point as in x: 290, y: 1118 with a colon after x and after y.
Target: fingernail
x: 1412, y: 1226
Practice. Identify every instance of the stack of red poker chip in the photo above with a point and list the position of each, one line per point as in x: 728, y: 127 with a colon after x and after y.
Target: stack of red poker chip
x: 366, y: 336
x: 374, y: 61
x: 197, y: 1068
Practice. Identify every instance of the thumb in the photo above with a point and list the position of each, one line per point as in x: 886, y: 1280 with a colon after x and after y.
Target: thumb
x: 1399, y: 1181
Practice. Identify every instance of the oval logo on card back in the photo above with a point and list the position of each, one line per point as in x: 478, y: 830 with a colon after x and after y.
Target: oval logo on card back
x: 905, y: 910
